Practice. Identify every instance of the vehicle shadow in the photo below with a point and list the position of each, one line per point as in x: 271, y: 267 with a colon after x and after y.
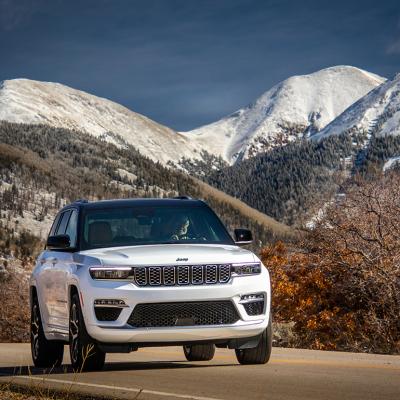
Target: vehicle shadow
x: 108, y: 367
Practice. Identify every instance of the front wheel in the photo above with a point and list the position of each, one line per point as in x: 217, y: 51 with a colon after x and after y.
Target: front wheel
x: 259, y: 354
x: 45, y: 353
x: 84, y: 352
x: 199, y: 352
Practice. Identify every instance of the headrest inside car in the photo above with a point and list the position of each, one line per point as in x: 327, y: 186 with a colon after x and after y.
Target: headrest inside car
x: 99, y: 233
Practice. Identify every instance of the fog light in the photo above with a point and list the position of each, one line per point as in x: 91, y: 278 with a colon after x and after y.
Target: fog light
x: 251, y: 298
x: 109, y: 303
x: 253, y: 303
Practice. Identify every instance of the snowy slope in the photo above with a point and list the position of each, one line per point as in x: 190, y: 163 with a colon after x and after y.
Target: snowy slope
x: 389, y: 164
x: 377, y: 113
x: 27, y: 101
x: 299, y: 106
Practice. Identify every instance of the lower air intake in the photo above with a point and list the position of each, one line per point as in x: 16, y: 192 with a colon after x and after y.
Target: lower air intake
x: 255, y: 308
x: 183, y: 314
x: 107, y: 313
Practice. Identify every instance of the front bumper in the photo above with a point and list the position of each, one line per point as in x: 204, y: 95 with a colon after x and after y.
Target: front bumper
x: 120, y: 332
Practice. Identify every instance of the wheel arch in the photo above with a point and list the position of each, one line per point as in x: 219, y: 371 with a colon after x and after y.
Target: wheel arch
x: 32, y: 292
x: 72, y: 289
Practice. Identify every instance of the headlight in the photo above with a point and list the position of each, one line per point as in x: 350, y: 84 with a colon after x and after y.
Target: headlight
x: 246, y: 269
x: 116, y: 273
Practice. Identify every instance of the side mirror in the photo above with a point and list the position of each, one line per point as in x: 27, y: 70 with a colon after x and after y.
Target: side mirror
x: 58, y: 242
x: 243, y: 237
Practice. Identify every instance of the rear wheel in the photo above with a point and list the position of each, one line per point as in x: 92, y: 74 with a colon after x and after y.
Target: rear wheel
x: 199, y: 352
x: 84, y: 352
x: 259, y: 354
x: 45, y: 353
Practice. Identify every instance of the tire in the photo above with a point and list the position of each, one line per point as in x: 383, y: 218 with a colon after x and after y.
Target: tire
x: 84, y: 353
x: 259, y: 354
x: 199, y: 352
x: 45, y: 353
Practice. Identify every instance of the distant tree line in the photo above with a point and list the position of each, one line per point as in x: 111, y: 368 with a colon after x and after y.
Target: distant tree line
x: 292, y: 182
x: 71, y: 165
x: 287, y: 181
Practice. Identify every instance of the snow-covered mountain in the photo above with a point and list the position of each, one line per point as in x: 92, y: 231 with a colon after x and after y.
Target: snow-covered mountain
x: 377, y: 113
x: 33, y: 102
x: 299, y: 106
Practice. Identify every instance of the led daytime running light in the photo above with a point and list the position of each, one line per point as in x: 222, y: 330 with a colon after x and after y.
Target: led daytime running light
x: 113, y: 273
x: 109, y: 303
x: 246, y: 269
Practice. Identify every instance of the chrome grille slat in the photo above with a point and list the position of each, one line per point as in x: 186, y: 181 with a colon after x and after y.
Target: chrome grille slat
x: 140, y: 276
x: 183, y: 275
x: 224, y: 273
x: 154, y: 276
x: 169, y: 276
x: 197, y: 274
x: 211, y: 274
x: 179, y: 275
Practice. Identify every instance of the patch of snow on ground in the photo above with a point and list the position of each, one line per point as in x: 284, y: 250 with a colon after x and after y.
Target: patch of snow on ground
x: 391, y: 163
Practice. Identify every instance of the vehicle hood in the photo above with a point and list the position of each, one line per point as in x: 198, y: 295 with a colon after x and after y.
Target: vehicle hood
x: 167, y: 254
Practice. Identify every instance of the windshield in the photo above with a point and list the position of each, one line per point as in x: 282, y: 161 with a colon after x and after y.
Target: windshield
x: 128, y: 226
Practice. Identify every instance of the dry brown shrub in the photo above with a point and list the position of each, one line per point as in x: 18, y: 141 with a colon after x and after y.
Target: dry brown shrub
x: 14, y: 306
x: 341, y: 286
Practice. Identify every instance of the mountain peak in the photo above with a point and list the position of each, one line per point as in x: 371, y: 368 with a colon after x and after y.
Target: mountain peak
x: 298, y: 106
x: 35, y: 102
x: 376, y: 113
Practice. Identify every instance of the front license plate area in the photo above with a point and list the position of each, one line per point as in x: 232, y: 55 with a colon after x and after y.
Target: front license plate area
x: 184, y: 321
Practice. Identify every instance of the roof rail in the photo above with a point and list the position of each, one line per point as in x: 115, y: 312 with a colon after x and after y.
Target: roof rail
x: 182, y: 198
x: 81, y: 201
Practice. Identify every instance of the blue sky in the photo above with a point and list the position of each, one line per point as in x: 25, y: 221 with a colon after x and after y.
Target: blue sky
x: 185, y: 63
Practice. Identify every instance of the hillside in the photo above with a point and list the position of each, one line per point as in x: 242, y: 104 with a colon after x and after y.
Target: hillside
x: 297, y: 144
x: 42, y: 168
x: 377, y: 113
x: 56, y: 105
x: 295, y: 108
x: 293, y: 183
x: 289, y: 183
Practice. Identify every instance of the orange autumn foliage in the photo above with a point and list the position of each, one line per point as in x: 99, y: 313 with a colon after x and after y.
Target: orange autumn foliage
x: 341, y: 284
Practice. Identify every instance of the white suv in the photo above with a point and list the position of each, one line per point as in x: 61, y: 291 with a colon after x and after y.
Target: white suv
x: 118, y: 275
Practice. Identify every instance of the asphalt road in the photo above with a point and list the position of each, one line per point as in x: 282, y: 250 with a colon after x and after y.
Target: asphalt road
x: 163, y: 373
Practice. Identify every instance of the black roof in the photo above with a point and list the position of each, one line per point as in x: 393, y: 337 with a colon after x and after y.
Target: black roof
x: 179, y: 201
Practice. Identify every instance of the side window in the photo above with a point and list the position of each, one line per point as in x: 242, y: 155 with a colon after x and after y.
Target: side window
x: 63, y: 224
x: 71, y: 230
x: 54, y: 226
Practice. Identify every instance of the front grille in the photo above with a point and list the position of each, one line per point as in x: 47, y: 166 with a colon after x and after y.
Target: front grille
x: 107, y: 313
x: 183, y: 314
x: 182, y: 275
x: 254, y: 308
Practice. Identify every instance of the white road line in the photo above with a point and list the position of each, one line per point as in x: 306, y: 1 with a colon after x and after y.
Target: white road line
x: 127, y: 389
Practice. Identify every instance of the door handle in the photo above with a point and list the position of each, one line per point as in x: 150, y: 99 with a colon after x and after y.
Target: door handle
x: 52, y: 260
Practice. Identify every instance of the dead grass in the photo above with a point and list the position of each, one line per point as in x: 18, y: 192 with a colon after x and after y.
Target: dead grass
x: 19, y: 392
